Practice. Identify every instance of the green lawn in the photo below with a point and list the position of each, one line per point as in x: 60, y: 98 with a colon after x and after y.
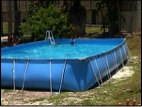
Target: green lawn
x: 89, y: 30
x: 93, y: 30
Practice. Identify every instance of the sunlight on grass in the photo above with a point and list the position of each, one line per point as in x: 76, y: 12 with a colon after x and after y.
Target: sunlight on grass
x: 95, y: 30
x: 5, y: 28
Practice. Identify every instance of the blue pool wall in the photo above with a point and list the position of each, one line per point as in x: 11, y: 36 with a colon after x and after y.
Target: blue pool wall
x: 78, y: 74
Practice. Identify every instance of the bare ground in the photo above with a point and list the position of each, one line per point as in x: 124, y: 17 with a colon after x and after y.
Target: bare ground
x: 17, y: 97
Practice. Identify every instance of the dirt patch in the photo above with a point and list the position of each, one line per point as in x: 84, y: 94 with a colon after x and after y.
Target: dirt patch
x: 126, y: 71
x: 122, y: 74
x: 17, y: 97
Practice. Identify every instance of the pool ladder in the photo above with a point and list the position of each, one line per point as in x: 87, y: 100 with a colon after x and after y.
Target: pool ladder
x: 50, y: 37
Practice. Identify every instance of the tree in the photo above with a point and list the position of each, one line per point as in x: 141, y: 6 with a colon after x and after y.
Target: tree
x: 112, y: 17
x: 100, y: 6
x: 16, y: 19
x: 9, y: 8
x: 34, y: 6
x: 50, y: 18
x: 77, y: 13
x: 1, y: 20
x: 77, y: 16
x: 119, y: 20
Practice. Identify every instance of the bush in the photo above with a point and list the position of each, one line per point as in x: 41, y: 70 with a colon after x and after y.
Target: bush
x: 50, y: 18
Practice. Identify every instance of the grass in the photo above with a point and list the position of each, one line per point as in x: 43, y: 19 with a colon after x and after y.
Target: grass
x: 94, y: 31
x: 5, y: 28
x: 37, y: 99
x: 7, y: 90
x: 89, y: 30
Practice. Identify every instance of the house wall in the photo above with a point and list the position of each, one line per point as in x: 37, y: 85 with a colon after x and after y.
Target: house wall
x: 137, y: 22
x: 21, y: 8
x: 132, y: 21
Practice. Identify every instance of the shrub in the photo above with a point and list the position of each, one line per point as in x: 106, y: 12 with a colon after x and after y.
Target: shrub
x: 50, y: 18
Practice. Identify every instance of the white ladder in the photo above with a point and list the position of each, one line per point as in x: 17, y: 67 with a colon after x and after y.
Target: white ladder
x: 50, y: 37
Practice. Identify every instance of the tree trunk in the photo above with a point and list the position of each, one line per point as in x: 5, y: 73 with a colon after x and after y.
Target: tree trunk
x: 77, y: 16
x: 65, y: 7
x: 16, y: 19
x: 1, y: 20
x: 9, y: 8
x: 113, y: 18
x: 132, y: 18
x: 119, y: 21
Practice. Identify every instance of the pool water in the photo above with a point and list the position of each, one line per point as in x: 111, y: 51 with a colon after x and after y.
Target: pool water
x: 61, y: 51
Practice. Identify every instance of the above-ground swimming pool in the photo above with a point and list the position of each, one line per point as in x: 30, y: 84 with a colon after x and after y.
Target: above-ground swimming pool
x: 42, y: 66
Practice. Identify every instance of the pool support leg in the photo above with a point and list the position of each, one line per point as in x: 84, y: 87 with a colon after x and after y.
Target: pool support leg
x: 13, y: 72
x: 129, y: 53
x: 125, y: 52
x: 121, y: 57
x: 62, y: 77
x: 108, y: 67
x: 106, y: 71
x: 26, y: 69
x: 98, y: 71
x: 115, y: 60
x: 50, y: 76
x: 94, y: 73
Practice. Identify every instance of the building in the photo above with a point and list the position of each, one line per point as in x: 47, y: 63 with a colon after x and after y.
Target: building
x: 131, y: 11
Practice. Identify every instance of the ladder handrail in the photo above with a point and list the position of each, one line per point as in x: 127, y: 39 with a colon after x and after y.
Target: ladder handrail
x: 50, y: 37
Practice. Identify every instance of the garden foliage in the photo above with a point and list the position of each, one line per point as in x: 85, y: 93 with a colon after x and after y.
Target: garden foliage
x: 50, y: 18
